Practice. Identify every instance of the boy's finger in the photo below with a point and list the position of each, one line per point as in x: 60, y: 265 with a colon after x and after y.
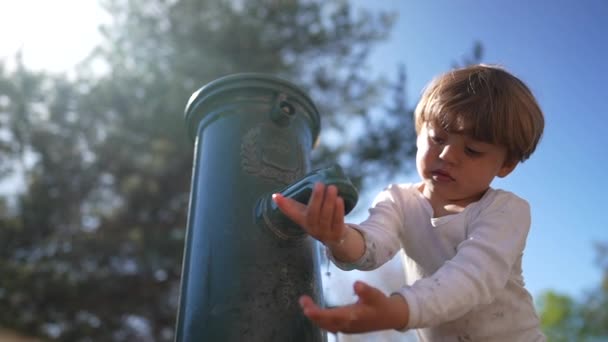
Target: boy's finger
x: 309, y: 307
x: 334, y: 319
x: 291, y: 208
x: 314, y: 205
x: 328, y: 207
x: 306, y: 302
x: 366, y: 293
x: 330, y: 323
x: 338, y: 219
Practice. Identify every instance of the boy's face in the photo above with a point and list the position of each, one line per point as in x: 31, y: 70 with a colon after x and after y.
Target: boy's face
x: 455, y: 168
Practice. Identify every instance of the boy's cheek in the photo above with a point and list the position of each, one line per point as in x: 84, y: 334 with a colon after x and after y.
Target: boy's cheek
x: 421, y: 142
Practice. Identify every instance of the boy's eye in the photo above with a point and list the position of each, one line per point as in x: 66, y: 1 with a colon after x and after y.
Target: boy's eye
x: 472, y: 152
x: 436, y: 139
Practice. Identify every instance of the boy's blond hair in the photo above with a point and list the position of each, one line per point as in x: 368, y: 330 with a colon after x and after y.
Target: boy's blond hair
x: 487, y: 103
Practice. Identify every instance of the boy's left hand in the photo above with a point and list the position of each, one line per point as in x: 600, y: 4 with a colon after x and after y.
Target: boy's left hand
x: 372, y: 312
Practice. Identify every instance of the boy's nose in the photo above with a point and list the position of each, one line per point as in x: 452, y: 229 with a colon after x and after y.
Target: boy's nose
x: 449, y: 154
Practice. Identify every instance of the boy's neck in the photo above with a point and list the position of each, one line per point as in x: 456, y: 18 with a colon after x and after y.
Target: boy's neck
x: 443, y: 207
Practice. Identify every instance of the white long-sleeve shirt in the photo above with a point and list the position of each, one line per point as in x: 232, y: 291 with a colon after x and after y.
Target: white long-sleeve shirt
x: 463, y: 271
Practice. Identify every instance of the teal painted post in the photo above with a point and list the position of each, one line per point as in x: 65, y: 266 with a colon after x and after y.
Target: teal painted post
x: 244, y: 266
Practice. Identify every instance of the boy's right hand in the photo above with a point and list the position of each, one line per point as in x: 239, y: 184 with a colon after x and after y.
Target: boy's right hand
x: 322, y: 218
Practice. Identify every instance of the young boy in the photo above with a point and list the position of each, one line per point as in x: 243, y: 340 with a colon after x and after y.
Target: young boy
x: 463, y: 240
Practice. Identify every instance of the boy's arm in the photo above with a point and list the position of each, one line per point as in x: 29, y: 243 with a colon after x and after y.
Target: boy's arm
x: 379, y: 232
x: 373, y: 311
x: 349, y: 248
x: 480, y: 269
x: 323, y: 219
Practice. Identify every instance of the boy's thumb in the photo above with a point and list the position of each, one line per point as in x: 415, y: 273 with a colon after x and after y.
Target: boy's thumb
x: 365, y: 292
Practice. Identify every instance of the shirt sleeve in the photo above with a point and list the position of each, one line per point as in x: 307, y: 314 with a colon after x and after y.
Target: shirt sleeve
x: 380, y: 230
x: 481, y: 267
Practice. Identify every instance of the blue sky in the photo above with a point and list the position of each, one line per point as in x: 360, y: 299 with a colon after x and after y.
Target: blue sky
x: 560, y: 49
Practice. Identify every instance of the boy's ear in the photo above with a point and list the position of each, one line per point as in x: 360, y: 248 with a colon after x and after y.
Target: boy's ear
x: 507, y: 168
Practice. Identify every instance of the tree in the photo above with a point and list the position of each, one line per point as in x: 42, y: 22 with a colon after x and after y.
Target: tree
x: 41, y: 228
x: 557, y: 316
x: 564, y: 318
x: 92, y: 246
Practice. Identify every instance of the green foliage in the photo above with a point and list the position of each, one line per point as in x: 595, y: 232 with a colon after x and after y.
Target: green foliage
x: 586, y: 319
x: 91, y: 246
x: 557, y: 316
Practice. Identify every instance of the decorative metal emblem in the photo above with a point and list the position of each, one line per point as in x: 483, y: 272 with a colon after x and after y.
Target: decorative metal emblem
x: 270, y: 152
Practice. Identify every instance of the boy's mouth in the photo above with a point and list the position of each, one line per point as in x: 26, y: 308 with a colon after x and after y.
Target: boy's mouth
x: 442, y: 176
